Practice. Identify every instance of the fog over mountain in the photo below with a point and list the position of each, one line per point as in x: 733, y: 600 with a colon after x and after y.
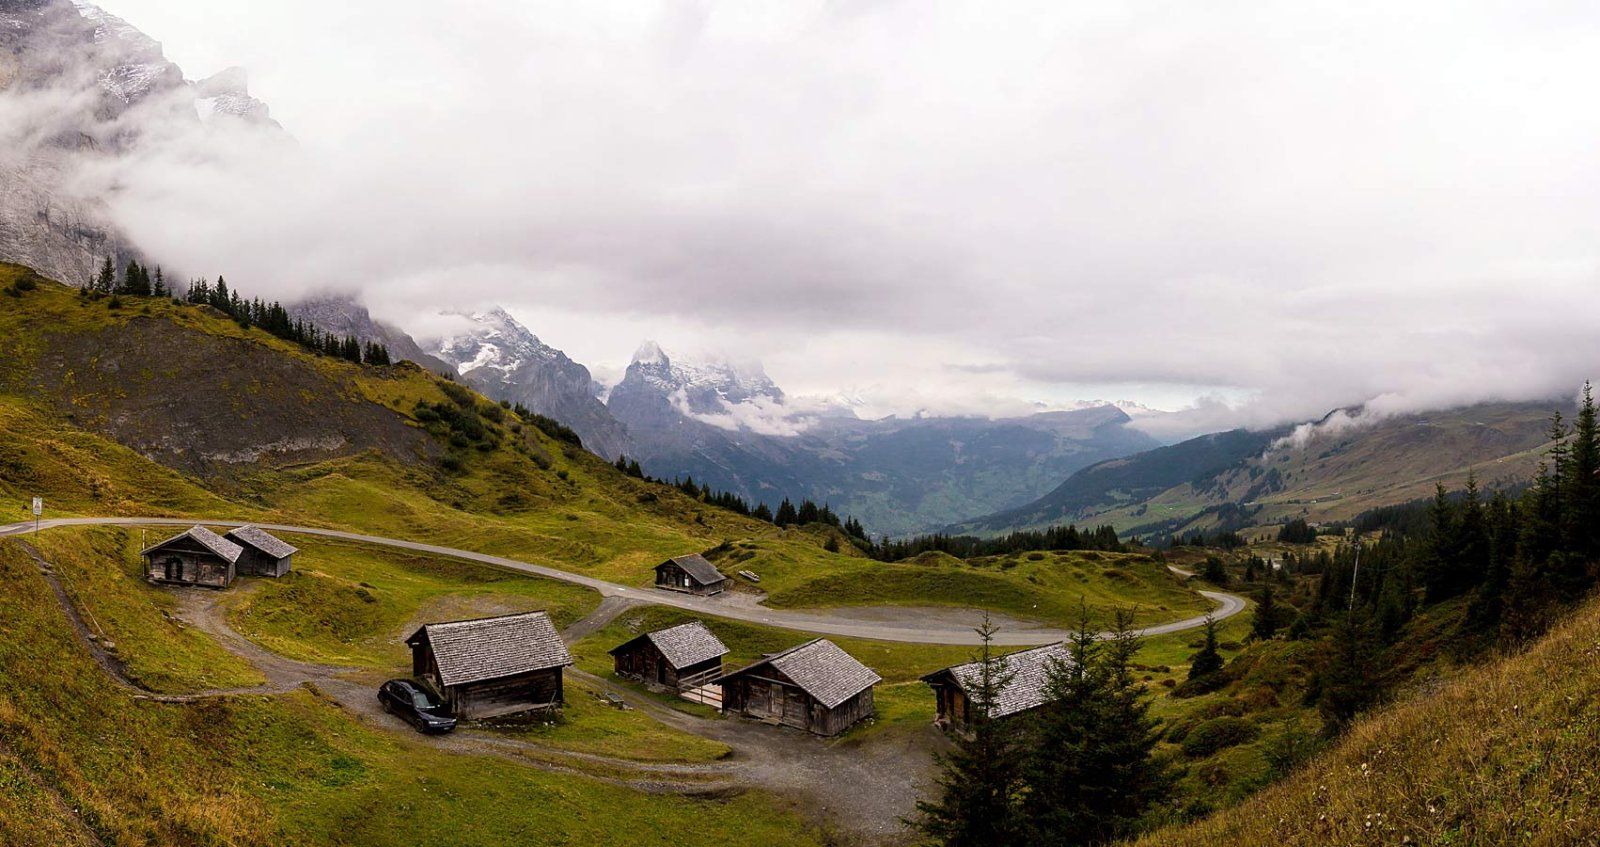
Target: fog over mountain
x: 1253, y: 212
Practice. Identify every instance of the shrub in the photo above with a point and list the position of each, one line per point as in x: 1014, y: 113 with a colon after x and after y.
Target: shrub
x: 1218, y: 734
x: 555, y: 429
x: 460, y: 395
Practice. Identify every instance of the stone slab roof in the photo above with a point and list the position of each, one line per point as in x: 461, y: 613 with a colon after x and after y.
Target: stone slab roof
x: 205, y: 538
x: 251, y: 536
x: 699, y: 569
x: 822, y: 670
x: 683, y: 645
x: 1026, y: 675
x: 493, y: 648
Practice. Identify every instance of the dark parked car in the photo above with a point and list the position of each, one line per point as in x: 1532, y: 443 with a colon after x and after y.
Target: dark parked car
x: 415, y: 705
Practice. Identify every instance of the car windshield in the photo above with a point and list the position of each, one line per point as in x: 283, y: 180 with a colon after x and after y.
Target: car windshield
x: 422, y: 700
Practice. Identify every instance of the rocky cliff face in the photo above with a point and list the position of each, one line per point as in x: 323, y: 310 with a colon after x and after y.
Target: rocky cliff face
x: 78, y: 87
x: 505, y: 361
x: 342, y: 316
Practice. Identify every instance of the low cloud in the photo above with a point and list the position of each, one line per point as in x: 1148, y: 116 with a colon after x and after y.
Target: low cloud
x: 1249, y: 215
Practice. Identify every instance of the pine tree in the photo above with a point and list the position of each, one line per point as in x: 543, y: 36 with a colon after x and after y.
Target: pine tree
x: 1581, y: 488
x: 1347, y: 680
x: 787, y: 516
x: 159, y: 289
x: 1442, y: 570
x: 1208, y: 660
x: 1265, y: 623
x: 106, y: 282
x: 1091, y: 774
x: 981, y: 779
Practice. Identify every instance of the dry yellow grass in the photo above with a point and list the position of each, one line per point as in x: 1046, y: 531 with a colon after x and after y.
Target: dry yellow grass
x: 1505, y: 754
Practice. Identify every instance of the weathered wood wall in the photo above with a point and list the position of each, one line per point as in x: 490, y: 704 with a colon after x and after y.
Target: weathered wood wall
x: 189, y: 567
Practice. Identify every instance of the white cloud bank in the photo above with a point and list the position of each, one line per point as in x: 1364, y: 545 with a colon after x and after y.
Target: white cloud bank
x: 1291, y: 206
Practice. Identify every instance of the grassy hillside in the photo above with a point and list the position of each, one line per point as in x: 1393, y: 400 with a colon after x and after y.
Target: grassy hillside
x: 90, y: 427
x: 1503, y: 754
x: 291, y: 769
x: 1241, y: 478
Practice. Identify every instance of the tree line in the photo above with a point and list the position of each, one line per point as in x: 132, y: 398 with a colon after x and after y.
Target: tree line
x: 786, y: 515
x: 136, y: 280
x: 968, y: 546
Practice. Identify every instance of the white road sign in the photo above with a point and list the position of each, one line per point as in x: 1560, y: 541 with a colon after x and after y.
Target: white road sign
x: 38, y: 506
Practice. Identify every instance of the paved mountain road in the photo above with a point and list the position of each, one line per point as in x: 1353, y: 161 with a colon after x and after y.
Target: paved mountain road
x: 819, y: 622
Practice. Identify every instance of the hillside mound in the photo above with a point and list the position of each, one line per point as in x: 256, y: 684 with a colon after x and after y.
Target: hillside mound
x: 1504, y: 754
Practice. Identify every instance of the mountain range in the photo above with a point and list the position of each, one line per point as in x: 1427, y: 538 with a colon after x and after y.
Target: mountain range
x: 1328, y: 470
x: 730, y: 426
x: 96, y: 86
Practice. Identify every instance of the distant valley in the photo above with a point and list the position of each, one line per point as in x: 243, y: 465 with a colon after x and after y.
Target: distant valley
x: 1330, y: 470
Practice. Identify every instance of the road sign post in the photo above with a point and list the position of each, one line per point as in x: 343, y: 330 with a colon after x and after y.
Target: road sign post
x: 38, y: 509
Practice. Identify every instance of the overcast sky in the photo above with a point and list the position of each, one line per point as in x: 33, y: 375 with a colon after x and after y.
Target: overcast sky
x: 956, y: 206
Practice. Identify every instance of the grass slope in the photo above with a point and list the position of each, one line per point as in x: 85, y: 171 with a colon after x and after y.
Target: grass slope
x: 1503, y: 754
x: 516, y: 492
x: 293, y: 769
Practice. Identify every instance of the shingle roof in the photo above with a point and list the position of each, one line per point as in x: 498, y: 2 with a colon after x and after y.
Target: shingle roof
x: 1026, y: 673
x: 205, y: 538
x: 696, y: 566
x: 492, y: 648
x: 258, y: 538
x: 822, y: 670
x: 683, y: 645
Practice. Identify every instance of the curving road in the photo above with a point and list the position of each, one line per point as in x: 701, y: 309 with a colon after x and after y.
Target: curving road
x: 813, y: 622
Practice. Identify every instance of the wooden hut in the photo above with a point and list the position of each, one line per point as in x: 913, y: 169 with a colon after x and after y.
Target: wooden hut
x: 488, y: 667
x: 692, y: 575
x: 264, y: 554
x: 816, y: 687
x: 196, y: 556
x: 680, y: 657
x: 1026, y: 684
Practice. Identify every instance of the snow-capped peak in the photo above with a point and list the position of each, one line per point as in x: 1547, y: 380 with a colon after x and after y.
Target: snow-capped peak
x: 706, y: 382
x: 494, y: 339
x: 649, y: 353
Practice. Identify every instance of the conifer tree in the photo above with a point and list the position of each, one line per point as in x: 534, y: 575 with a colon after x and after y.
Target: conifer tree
x: 1265, y: 623
x: 787, y: 516
x: 1208, y: 660
x: 1346, y: 682
x: 981, y: 779
x: 1442, y: 570
x: 1581, y: 494
x: 106, y: 282
x: 1091, y: 774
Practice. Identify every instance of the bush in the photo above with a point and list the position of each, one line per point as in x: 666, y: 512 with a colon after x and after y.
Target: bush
x: 460, y: 395
x: 555, y: 429
x: 1218, y: 734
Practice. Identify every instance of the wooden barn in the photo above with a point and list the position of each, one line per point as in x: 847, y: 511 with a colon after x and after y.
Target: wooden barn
x: 196, y: 556
x: 692, y: 575
x: 679, y: 657
x: 1026, y: 685
x: 264, y: 555
x: 816, y: 687
x: 488, y: 667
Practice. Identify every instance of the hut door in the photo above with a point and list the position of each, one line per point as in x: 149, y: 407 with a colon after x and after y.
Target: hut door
x: 173, y: 568
x: 661, y: 672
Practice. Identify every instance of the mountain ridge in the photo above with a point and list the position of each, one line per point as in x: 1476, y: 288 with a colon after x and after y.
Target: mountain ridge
x: 1346, y: 462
